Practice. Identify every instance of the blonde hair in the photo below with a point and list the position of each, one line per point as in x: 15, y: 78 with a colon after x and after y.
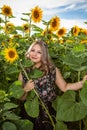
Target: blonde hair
x: 46, y: 62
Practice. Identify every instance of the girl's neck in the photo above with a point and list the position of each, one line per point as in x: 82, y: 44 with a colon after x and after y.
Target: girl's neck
x: 37, y: 65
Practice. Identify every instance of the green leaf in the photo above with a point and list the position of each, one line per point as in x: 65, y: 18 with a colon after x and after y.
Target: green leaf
x: 27, y: 63
x: 2, y: 95
x: 75, y: 62
x: 8, y: 106
x: 9, y: 126
x: 16, y: 90
x: 68, y: 109
x: 78, y: 48
x: 36, y: 73
x: 24, y: 125
x: 32, y: 107
x: 10, y: 116
x: 24, y: 19
x: 12, y: 69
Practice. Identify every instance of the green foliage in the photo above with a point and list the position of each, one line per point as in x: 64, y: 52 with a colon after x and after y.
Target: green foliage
x: 32, y: 105
x: 36, y: 74
x: 9, y: 126
x: 68, y: 109
x: 16, y: 90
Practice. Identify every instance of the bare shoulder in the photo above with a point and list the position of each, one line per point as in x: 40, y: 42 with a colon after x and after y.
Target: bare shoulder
x: 58, y: 73
x: 57, y: 70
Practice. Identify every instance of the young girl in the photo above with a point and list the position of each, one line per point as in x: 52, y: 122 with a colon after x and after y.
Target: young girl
x: 45, y: 85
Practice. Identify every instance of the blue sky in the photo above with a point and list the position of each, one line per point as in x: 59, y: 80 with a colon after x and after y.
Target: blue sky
x: 71, y: 12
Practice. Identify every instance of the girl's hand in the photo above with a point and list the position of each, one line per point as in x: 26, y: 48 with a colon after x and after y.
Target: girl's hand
x: 29, y: 86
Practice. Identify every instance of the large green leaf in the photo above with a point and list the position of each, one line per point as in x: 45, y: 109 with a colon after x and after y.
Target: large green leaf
x: 68, y: 109
x: 83, y: 93
x: 16, y: 89
x: 75, y: 62
x: 35, y: 73
x: 9, y: 126
x: 32, y: 106
x: 26, y: 63
x: 11, y: 69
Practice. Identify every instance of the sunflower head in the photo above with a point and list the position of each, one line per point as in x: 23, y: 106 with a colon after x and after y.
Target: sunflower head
x: 46, y: 31
x: 25, y: 28
x: 6, y: 10
x: 83, y: 31
x: 10, y: 55
x: 55, y: 23
x: 9, y: 28
x: 36, y: 14
x: 61, y: 32
x: 75, y: 30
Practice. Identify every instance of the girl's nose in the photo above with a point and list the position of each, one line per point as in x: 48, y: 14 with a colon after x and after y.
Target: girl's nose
x: 35, y: 53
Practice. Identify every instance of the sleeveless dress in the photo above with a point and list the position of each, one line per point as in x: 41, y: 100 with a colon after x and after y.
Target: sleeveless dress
x: 46, y: 89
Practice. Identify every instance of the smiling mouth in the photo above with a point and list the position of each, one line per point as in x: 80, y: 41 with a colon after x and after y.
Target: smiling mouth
x: 33, y: 58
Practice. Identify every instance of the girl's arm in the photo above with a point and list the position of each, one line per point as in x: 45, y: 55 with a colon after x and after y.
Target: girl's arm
x: 27, y: 87
x: 64, y: 86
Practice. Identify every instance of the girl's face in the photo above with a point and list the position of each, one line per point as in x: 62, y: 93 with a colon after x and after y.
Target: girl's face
x: 36, y: 54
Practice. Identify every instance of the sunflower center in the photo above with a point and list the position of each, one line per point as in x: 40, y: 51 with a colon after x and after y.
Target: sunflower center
x: 61, y: 32
x: 54, y: 23
x: 36, y: 14
x: 25, y: 27
x: 75, y: 30
x: 11, y: 54
x: 7, y: 11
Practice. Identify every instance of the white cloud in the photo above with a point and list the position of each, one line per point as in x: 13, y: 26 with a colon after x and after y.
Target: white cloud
x: 70, y: 6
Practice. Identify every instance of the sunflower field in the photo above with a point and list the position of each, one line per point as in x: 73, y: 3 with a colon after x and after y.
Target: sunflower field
x: 68, y: 50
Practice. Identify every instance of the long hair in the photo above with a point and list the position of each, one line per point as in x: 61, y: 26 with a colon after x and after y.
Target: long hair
x: 46, y: 62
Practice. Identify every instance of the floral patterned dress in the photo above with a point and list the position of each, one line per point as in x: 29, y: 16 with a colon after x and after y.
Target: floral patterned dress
x: 47, y: 91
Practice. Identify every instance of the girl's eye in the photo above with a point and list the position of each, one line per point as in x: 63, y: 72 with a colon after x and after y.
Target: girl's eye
x: 39, y: 52
x: 32, y: 50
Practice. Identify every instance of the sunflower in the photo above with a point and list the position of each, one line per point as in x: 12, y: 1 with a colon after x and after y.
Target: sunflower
x: 83, y: 31
x: 61, y: 32
x: 61, y: 41
x: 54, y: 23
x: 84, y: 41
x: 6, y: 10
x: 9, y: 28
x: 36, y: 14
x: 46, y: 31
x: 25, y: 28
x: 75, y: 30
x: 10, y: 54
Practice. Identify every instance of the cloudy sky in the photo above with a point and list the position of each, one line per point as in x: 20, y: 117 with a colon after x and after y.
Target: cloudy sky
x: 70, y: 12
